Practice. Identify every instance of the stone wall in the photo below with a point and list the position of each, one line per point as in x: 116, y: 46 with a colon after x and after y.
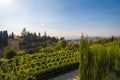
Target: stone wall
x: 14, y: 43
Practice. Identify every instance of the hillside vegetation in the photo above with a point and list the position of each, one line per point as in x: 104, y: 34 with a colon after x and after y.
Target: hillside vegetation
x: 97, y: 61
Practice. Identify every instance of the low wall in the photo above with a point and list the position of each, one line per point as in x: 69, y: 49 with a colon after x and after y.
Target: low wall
x: 52, y: 73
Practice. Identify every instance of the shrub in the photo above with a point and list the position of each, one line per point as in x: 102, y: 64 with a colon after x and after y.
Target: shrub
x: 48, y: 50
x: 9, y: 52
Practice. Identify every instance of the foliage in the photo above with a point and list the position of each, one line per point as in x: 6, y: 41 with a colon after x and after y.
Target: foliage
x: 20, y: 52
x: 99, y: 62
x: 72, y: 47
x: 30, y: 65
x: 47, y: 50
x: 60, y: 44
x: 30, y: 41
x: 3, y: 38
x: 9, y: 52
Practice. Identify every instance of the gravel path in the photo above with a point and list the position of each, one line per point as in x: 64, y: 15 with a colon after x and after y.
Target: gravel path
x: 73, y: 75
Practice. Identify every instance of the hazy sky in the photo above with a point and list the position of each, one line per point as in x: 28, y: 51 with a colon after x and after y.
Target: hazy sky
x: 61, y: 17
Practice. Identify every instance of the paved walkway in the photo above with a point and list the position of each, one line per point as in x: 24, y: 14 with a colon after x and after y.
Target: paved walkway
x: 73, y: 75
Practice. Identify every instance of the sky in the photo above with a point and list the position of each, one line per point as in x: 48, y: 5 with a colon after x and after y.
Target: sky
x: 61, y: 17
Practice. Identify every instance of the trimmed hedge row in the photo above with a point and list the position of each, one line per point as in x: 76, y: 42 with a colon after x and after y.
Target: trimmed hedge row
x: 30, y: 66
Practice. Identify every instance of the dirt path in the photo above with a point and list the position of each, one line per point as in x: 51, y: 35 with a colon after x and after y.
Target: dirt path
x: 67, y: 76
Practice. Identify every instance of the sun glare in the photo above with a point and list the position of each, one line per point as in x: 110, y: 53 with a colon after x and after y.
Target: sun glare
x: 5, y: 2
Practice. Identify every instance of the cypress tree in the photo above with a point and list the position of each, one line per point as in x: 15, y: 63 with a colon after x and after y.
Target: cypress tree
x: 0, y: 38
x: 12, y: 35
x: 5, y: 38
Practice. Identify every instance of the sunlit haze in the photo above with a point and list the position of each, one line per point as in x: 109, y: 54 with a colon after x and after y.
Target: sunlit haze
x: 6, y: 3
x: 61, y: 17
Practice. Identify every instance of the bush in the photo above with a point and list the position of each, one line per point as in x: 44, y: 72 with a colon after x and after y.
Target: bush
x: 20, y: 53
x: 9, y: 52
x: 47, y: 50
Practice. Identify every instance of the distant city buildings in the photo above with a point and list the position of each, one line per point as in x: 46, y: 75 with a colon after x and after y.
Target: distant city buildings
x: 74, y: 41
x: 77, y: 41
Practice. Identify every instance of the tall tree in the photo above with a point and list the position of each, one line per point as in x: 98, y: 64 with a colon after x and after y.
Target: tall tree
x: 0, y: 38
x: 45, y: 34
x: 39, y: 35
x: 34, y: 37
x: 12, y: 35
x: 5, y: 38
x: 24, y: 32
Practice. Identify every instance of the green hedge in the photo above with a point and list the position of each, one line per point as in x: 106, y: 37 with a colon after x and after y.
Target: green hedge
x: 31, y: 65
